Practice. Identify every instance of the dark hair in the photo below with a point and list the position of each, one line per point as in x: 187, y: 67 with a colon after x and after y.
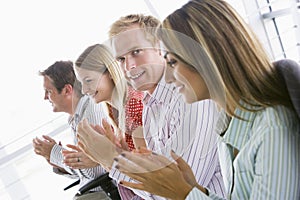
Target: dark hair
x: 62, y: 73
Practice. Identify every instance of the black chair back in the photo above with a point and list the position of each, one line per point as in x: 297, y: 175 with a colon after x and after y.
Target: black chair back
x: 290, y: 72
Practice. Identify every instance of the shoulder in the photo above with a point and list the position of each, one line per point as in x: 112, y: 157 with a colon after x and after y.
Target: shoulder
x: 277, y: 119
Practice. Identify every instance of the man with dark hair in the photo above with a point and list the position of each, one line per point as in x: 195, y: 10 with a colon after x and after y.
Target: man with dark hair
x: 63, y: 91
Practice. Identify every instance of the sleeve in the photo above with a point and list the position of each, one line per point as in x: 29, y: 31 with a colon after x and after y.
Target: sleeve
x: 56, y: 158
x: 118, y: 176
x: 276, y: 165
x: 95, y: 113
x: 195, y: 193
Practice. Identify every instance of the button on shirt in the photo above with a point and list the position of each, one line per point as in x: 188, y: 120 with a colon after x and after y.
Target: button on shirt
x: 188, y: 129
x: 94, y: 113
x: 268, y: 163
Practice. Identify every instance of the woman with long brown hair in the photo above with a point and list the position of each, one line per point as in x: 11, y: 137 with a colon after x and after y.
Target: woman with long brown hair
x: 212, y: 54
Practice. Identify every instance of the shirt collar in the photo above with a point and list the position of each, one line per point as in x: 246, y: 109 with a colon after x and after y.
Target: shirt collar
x: 80, y: 109
x: 160, y: 93
x: 239, y: 130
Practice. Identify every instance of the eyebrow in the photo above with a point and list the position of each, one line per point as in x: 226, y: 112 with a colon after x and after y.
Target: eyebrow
x: 128, y: 51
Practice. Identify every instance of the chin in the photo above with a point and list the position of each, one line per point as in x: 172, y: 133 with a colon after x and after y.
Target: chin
x: 97, y: 100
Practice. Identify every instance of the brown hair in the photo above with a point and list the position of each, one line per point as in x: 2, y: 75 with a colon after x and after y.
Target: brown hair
x: 216, y: 37
x: 62, y: 73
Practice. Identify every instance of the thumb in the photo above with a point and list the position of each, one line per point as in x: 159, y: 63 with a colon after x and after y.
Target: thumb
x: 46, y: 137
x: 182, y: 165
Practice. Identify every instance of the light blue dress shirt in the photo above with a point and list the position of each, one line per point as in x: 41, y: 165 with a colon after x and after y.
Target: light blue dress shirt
x: 268, y: 163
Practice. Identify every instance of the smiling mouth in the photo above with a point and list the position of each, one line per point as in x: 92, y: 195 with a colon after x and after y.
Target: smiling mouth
x: 136, y: 75
x: 94, y: 94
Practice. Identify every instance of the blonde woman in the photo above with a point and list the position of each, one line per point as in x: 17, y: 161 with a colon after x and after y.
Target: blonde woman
x: 212, y: 54
x: 103, y: 80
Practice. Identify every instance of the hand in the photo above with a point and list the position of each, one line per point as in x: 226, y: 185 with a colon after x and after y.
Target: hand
x: 156, y: 174
x: 96, y: 146
x: 116, y: 137
x: 43, y: 147
x: 138, y: 137
x: 76, y: 159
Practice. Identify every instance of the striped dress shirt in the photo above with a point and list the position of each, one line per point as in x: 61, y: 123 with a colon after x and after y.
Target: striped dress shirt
x: 268, y: 163
x: 94, y: 113
x: 188, y: 129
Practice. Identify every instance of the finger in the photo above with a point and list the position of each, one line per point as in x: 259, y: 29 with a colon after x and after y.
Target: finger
x: 38, y: 141
x: 81, y: 145
x: 150, y: 162
x: 138, y: 186
x: 70, y: 161
x: 37, y: 152
x: 48, y: 138
x: 181, y: 164
x: 106, y: 125
x: 143, y: 150
x: 126, y: 166
x: 133, y: 171
x: 74, y: 147
x: 80, y: 126
x: 35, y: 143
x: 69, y: 154
x: 99, y: 129
x: 81, y: 137
x: 87, y: 128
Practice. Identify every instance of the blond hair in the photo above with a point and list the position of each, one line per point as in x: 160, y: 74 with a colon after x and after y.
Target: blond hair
x: 146, y: 22
x: 99, y: 58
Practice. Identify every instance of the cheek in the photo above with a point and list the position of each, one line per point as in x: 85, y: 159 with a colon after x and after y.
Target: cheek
x: 84, y: 88
x: 179, y: 77
x: 104, y: 83
x: 51, y: 97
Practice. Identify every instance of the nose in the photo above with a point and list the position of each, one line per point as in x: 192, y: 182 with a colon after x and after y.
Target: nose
x: 84, y: 89
x: 46, y: 96
x: 169, y: 75
x: 129, y: 63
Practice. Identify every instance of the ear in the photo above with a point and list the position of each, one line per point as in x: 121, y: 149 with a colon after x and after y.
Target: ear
x: 68, y: 89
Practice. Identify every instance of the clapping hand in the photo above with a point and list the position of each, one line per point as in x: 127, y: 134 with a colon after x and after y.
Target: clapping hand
x: 157, y: 175
x: 77, y: 159
x: 96, y: 146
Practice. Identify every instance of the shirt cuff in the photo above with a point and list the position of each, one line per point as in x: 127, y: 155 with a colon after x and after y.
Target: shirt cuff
x: 115, y: 174
x: 195, y: 193
x: 57, y: 158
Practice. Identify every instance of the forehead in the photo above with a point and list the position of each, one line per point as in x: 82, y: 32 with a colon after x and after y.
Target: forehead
x: 83, y: 73
x: 48, y: 82
x: 129, y: 40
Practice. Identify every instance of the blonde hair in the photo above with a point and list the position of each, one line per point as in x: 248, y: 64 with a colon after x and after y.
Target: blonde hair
x: 146, y: 22
x: 212, y: 38
x: 99, y: 58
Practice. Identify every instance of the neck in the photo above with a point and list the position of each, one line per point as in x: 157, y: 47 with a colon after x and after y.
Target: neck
x: 73, y: 105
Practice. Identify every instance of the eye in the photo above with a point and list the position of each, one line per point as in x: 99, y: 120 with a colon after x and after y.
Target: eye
x: 121, y: 59
x: 88, y: 80
x: 171, y: 63
x: 135, y: 52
